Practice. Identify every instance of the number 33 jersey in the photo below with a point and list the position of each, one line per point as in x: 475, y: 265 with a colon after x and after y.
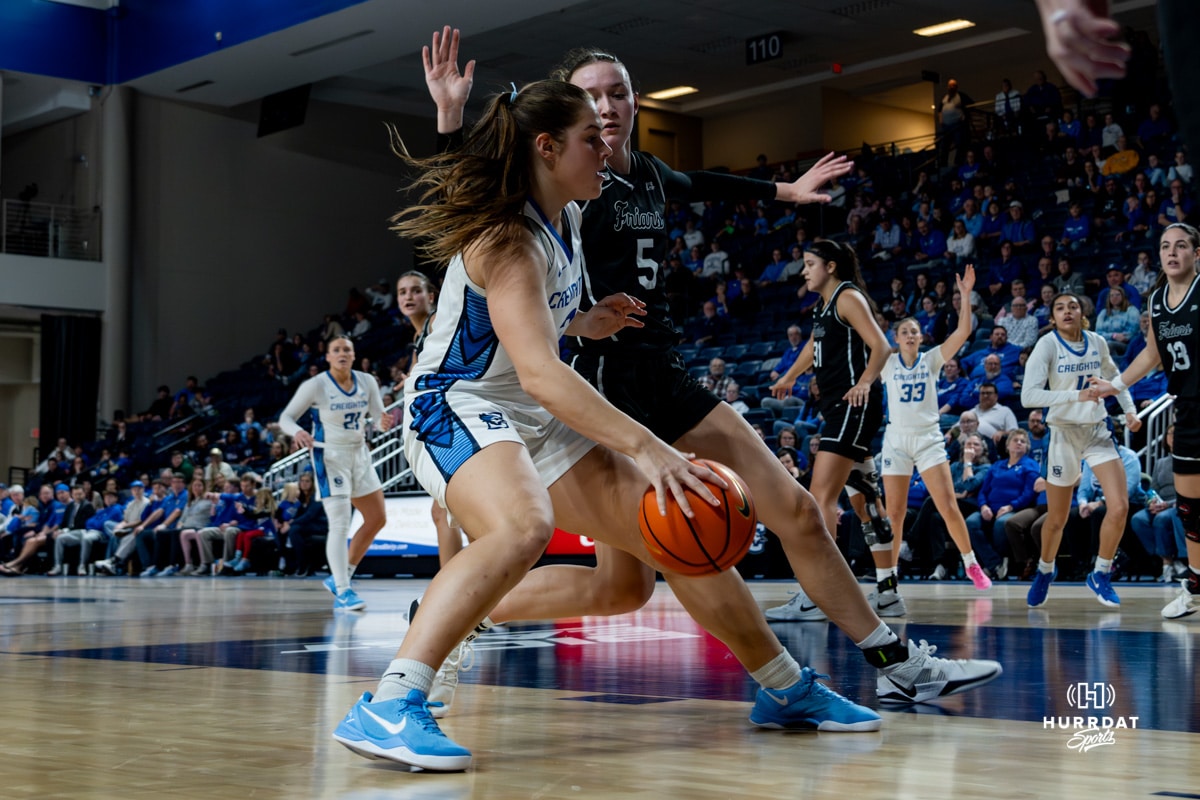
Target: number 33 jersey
x: 912, y: 392
x: 339, y: 417
x: 1177, y: 334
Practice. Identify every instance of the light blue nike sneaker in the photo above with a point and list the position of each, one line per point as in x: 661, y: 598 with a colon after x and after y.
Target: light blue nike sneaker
x: 403, y: 731
x: 808, y: 705
x: 348, y: 600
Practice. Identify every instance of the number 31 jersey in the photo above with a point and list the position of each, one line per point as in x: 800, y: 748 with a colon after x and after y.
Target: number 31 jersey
x: 912, y: 392
x: 1177, y: 334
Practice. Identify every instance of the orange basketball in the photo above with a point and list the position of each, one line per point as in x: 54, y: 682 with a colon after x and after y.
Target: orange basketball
x: 715, y: 539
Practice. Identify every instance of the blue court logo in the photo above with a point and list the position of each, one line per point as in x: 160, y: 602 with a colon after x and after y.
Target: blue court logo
x: 494, y: 420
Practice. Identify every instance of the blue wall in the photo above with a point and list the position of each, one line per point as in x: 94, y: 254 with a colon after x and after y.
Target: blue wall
x: 140, y: 36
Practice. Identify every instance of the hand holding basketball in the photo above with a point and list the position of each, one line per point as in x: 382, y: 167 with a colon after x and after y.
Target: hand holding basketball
x: 712, y: 539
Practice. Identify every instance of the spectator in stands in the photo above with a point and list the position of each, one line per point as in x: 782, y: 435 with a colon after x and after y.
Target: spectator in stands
x: 1110, y: 133
x: 1022, y: 328
x: 248, y: 422
x: 1115, y: 277
x: 931, y: 245
x: 361, y: 324
x: 1117, y: 321
x: 1006, y: 489
x: 1108, y: 208
x: 773, y: 271
x: 1069, y: 172
x: 716, y: 263
x: 75, y: 516
x: 788, y: 357
x: 158, y: 523
x: 1008, y: 107
x: 1176, y: 208
x: 181, y: 406
x: 309, y: 521
x: 710, y: 325
x: 694, y: 262
x: 1018, y: 231
x: 51, y: 504
x: 960, y: 247
x: 717, y: 376
x: 692, y: 236
x: 954, y: 390
x: 1144, y: 274
x: 180, y: 463
x: 995, y: 420
x: 1052, y: 144
x: 62, y: 453
x: 217, y: 471
x: 746, y: 304
x: 1003, y: 271
x: 949, y: 318
x: 233, y: 516
x: 93, y: 532
x: 1181, y: 169
x: 1077, y: 229
x: 953, y: 118
x: 331, y: 329
x: 971, y: 219
x: 927, y: 319
x: 1157, y: 525
x: 1069, y: 126
x: 1067, y: 281
x: 1091, y: 180
x: 160, y: 409
x: 733, y: 396
x: 197, y: 515
x: 1156, y: 176
x: 886, y: 240
x: 992, y: 228
x: 1002, y: 380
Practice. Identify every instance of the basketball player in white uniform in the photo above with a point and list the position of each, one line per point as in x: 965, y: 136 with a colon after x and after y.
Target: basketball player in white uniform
x: 1058, y: 377
x: 342, y: 402
x: 913, y: 437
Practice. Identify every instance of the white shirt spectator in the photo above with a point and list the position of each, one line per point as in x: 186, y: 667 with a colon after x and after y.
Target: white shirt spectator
x: 997, y: 419
x: 716, y: 263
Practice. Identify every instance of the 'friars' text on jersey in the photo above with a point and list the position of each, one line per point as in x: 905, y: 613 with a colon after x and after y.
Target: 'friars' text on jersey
x: 626, y: 216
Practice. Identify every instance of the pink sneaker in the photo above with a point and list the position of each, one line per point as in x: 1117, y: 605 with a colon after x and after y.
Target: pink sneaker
x: 981, y: 581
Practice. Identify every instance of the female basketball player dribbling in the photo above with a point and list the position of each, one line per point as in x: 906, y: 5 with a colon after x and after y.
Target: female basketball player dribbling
x: 341, y: 400
x: 913, y: 437
x: 491, y: 412
x: 1173, y: 340
x: 639, y: 372
x: 1058, y: 377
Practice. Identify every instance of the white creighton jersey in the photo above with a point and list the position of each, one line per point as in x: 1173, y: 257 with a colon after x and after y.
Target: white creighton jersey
x: 339, y: 417
x: 461, y: 350
x: 1067, y: 367
x: 912, y: 401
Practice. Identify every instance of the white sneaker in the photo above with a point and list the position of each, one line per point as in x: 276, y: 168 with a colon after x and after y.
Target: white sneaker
x: 939, y: 573
x: 888, y: 603
x: 1168, y: 574
x: 58, y: 570
x: 1184, y: 604
x: 906, y: 553
x: 923, y: 677
x: 445, y: 683
x: 798, y: 609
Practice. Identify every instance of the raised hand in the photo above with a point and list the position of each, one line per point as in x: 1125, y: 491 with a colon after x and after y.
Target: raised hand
x: 806, y: 188
x: 966, y: 281
x: 1080, y: 43
x: 449, y: 88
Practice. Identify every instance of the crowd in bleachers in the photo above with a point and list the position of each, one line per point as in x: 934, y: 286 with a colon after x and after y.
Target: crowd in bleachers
x: 1039, y: 201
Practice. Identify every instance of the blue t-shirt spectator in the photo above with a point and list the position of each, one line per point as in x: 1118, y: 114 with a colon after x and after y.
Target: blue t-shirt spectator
x: 1010, y: 485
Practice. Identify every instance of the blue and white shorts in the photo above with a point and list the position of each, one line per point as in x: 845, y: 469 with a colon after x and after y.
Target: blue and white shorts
x: 442, y: 430
x: 343, y: 471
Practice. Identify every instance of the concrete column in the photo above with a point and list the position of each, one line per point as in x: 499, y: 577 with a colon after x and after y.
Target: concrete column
x: 116, y: 164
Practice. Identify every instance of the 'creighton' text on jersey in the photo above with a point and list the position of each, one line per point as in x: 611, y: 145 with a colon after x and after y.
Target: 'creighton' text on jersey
x: 912, y: 392
x: 339, y: 417
x: 462, y: 344
x: 1058, y: 370
x: 1177, y: 335
x: 839, y: 353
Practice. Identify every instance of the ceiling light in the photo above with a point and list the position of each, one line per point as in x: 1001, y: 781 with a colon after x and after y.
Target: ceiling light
x: 672, y: 93
x: 945, y: 27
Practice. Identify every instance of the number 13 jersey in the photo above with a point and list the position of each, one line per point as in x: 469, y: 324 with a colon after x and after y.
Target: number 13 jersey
x: 1177, y: 334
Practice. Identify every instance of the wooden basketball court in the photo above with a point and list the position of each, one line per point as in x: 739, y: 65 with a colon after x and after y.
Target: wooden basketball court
x: 126, y: 688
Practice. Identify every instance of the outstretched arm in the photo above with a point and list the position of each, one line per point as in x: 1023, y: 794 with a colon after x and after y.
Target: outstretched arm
x: 955, y: 341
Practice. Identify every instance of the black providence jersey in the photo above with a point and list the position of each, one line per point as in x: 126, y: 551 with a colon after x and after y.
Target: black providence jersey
x: 839, y: 353
x: 625, y: 241
x: 1177, y: 333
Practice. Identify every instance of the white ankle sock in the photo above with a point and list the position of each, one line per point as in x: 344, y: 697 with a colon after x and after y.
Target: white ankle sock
x: 402, y: 675
x: 780, y: 672
x: 969, y: 559
x: 1046, y: 567
x: 1103, y: 564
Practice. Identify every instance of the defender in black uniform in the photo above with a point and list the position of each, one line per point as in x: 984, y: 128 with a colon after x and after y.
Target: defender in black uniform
x: 1173, y: 341
x: 847, y: 352
x: 625, y: 243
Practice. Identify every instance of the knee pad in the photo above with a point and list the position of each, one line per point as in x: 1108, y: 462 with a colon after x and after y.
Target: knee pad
x: 864, y: 480
x: 1189, y: 516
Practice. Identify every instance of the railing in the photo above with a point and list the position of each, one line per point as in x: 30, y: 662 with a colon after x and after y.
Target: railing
x: 1156, y: 418
x: 387, y: 457
x: 45, y: 230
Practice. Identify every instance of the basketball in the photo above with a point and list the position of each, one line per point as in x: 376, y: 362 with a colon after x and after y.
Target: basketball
x: 715, y: 539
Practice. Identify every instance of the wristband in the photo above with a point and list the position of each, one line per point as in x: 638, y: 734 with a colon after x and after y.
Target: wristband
x: 1119, y: 384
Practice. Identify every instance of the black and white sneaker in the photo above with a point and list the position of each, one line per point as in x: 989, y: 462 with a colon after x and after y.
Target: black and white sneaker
x: 923, y: 677
x: 798, y: 609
